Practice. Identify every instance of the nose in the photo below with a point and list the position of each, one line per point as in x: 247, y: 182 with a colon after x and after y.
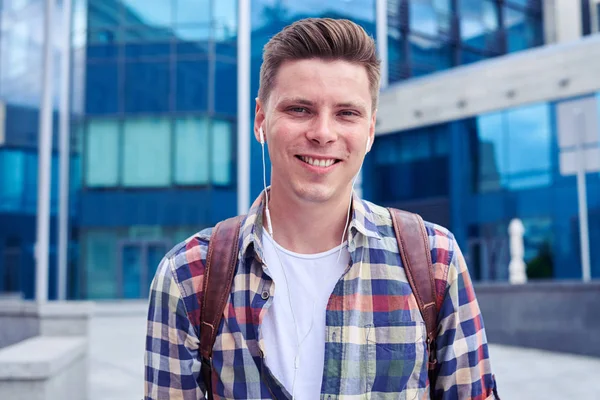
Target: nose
x: 322, y: 130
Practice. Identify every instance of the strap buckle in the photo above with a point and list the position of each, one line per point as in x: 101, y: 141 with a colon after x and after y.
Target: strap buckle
x: 431, y: 350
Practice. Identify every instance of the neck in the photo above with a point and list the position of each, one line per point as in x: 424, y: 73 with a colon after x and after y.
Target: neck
x: 307, y: 228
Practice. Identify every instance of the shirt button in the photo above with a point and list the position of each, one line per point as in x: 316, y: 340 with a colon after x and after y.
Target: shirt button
x: 265, y: 295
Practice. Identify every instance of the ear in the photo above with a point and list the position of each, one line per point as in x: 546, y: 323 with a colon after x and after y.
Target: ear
x: 259, y: 120
x: 372, y: 131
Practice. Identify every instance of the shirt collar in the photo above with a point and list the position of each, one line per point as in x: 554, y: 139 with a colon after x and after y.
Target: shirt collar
x: 363, y: 222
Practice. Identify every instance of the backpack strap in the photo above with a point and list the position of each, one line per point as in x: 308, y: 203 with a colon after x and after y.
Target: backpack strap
x: 221, y: 262
x: 413, y: 243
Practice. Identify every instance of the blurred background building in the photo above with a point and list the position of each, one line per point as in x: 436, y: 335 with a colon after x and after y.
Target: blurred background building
x: 475, y: 95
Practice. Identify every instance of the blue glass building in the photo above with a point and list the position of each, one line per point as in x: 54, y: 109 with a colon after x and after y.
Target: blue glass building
x: 155, y: 132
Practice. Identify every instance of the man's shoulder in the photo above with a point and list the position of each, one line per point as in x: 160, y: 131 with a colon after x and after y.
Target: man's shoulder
x: 185, y: 261
x: 439, y: 236
x: 441, y: 240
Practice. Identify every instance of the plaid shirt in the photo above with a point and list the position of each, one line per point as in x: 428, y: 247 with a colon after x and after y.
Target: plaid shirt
x: 375, y: 334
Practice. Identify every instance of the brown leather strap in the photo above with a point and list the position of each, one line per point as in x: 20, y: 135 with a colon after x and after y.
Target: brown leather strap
x: 221, y: 261
x: 413, y: 243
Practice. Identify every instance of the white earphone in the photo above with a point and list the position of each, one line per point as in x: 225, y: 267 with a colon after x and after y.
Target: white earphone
x: 267, y: 212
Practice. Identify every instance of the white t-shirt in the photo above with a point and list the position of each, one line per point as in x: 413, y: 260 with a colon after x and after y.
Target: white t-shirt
x: 311, y: 279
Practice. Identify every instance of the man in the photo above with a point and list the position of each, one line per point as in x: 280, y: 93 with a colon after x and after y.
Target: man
x: 320, y: 305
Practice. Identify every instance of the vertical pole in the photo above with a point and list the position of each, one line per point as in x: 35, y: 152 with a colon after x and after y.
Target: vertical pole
x: 243, y: 113
x: 64, y: 132
x: 582, y: 196
x: 382, y: 42
x: 44, y: 163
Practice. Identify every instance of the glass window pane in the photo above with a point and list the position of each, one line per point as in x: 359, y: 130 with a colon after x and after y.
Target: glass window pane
x: 31, y: 183
x: 226, y: 88
x: 146, y: 152
x: 102, y: 91
x: 478, y: 23
x: 102, y: 13
x: 414, y: 147
x: 221, y: 152
x: 102, y: 153
x: 430, y: 17
x: 192, y: 11
x: 225, y: 19
x: 192, y: 85
x: 492, y: 152
x: 131, y: 264
x: 12, y: 180
x: 155, y: 13
x: 191, y: 151
x: 429, y: 54
x: 192, y: 40
x: 147, y: 87
x: 101, y: 265
x: 523, y: 30
x: 529, y: 145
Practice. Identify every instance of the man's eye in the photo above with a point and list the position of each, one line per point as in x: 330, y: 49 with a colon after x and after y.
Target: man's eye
x: 298, y: 109
x: 348, y: 113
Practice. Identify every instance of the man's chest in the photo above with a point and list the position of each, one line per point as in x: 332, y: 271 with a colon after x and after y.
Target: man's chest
x: 373, y: 336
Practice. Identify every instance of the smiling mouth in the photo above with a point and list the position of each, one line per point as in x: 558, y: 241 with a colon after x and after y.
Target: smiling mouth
x: 323, y: 163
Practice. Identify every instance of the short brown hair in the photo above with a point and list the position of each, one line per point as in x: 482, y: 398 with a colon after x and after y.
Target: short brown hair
x: 322, y: 38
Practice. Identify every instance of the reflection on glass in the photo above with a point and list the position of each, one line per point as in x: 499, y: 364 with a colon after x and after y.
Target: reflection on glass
x: 147, y: 12
x: 221, y: 152
x: 529, y: 145
x: 101, y: 264
x: 131, y: 271
x: 147, y: 86
x: 275, y: 15
x: 100, y: 13
x: 191, y: 85
x: 225, y: 19
x: 12, y: 179
x: 146, y: 158
x: 102, y: 88
x: 191, y: 151
x: 492, y: 152
x: 192, y: 11
x: 478, y: 22
x: 226, y: 88
x: 430, y: 17
x: 524, y: 30
x: 193, y: 34
x: 429, y: 54
x: 102, y: 153
x: 538, y: 241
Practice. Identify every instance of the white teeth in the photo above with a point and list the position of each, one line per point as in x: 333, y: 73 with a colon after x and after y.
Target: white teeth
x: 317, y: 163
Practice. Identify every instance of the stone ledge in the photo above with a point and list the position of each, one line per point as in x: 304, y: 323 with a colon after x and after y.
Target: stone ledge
x: 63, y: 309
x: 40, y: 357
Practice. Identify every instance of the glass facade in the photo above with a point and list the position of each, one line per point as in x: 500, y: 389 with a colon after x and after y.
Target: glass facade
x: 425, y: 36
x: 158, y: 134
x: 21, y: 41
x: 488, y: 170
x: 154, y: 136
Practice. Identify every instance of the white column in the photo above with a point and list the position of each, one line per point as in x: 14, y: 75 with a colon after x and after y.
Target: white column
x: 382, y: 42
x: 64, y: 132
x: 567, y: 19
x: 584, y: 234
x: 243, y: 101
x: 44, y: 163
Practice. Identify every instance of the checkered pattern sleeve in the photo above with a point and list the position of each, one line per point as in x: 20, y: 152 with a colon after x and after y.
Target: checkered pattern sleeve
x: 172, y: 360
x: 464, y: 370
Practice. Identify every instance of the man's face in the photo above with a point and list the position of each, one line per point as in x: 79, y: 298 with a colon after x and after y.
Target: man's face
x: 316, y: 122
